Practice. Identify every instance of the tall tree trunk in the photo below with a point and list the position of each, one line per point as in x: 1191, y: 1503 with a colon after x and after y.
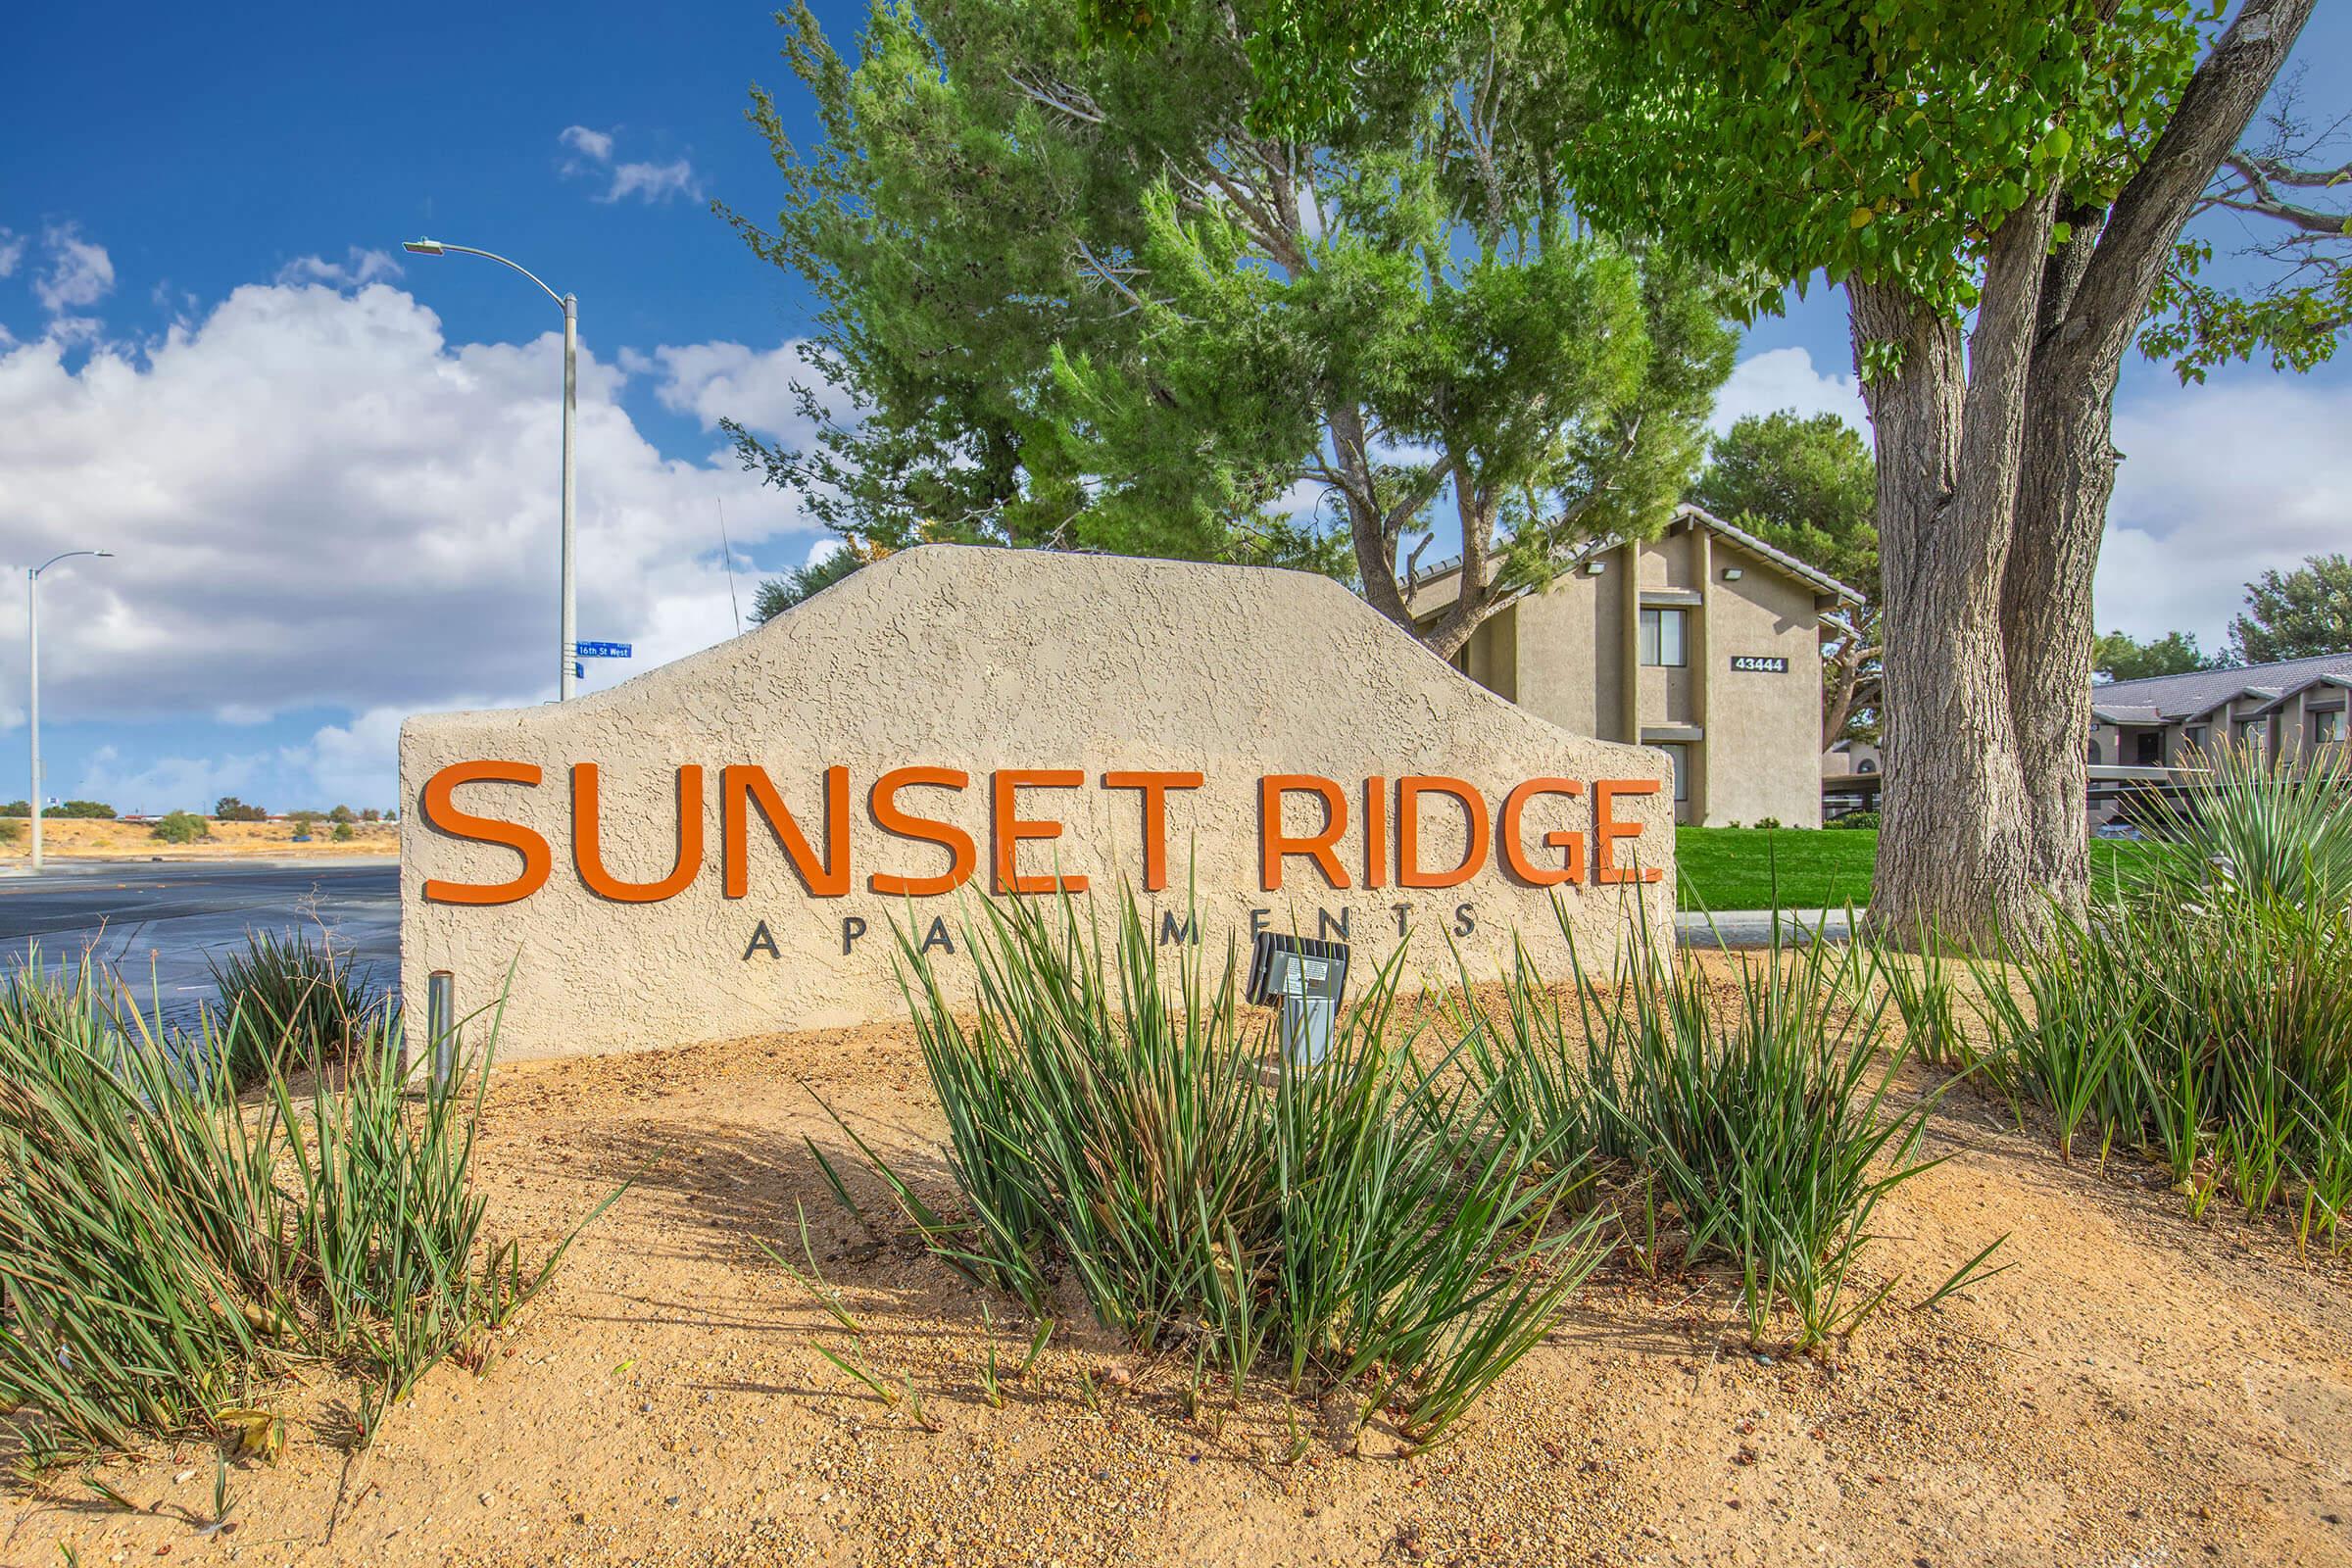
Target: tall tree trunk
x: 2094, y: 291
x: 1987, y: 709
x: 1955, y: 857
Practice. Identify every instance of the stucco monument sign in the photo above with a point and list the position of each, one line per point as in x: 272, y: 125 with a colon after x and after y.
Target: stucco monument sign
x: 720, y: 846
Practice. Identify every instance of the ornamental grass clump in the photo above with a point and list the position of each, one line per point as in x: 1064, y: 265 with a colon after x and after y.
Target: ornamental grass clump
x: 170, y: 1253
x: 291, y: 993
x: 1768, y: 1127
x: 2204, y: 1012
x: 1368, y: 1225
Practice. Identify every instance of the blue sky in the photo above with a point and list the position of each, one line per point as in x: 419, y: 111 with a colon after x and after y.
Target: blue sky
x: 330, y: 467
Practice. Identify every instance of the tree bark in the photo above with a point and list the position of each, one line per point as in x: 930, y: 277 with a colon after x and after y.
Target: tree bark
x: 1955, y: 842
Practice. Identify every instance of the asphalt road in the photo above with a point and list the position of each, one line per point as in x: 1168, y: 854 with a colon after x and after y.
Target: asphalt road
x: 159, y: 924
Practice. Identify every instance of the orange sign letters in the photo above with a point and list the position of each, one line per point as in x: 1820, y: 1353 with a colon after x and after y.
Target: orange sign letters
x: 1301, y: 818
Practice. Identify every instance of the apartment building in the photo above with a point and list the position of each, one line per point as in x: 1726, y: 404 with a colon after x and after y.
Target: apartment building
x: 1703, y: 643
x: 2278, y: 711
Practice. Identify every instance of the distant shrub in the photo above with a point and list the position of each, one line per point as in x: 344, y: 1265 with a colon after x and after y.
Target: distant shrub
x: 10, y: 831
x: 16, y: 809
x: 371, y: 815
x: 342, y: 814
x: 1768, y: 821
x: 182, y: 827
x: 231, y: 809
x: 83, y: 810
x: 1855, y: 819
x: 304, y: 822
x: 342, y: 833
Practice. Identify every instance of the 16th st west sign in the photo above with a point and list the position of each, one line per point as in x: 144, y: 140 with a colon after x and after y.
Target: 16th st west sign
x: 716, y: 847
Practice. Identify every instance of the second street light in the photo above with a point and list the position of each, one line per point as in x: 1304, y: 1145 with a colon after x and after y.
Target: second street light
x: 570, y: 306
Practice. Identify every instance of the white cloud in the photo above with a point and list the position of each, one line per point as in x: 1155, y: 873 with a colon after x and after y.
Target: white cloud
x: 715, y: 381
x: 317, y: 502
x: 595, y: 144
x: 2218, y: 485
x: 80, y: 273
x: 359, y: 266
x: 650, y: 182
x: 1784, y: 379
x: 11, y: 252
x: 656, y: 182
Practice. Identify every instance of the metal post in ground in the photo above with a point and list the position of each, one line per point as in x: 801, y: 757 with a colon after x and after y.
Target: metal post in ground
x: 440, y: 1027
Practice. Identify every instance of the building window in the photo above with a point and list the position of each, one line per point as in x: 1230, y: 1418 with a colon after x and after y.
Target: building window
x: 1662, y: 637
x: 2194, y: 736
x: 1680, y: 755
x: 2148, y: 746
x: 2096, y: 757
x: 2328, y: 726
x: 2252, y: 734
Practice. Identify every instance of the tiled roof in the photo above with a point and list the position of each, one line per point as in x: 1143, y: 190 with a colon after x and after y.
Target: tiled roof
x: 2201, y: 691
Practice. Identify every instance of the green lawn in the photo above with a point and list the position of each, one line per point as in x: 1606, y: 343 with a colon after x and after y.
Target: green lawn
x: 1742, y: 867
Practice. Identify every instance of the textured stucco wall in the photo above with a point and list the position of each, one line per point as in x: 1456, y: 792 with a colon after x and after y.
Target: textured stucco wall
x: 985, y: 659
x: 1761, y: 728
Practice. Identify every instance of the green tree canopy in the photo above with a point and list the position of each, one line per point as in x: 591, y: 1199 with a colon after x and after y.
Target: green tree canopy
x: 1079, y: 298
x: 2118, y: 657
x: 2001, y: 187
x: 776, y: 595
x: 2296, y: 615
x: 1807, y: 485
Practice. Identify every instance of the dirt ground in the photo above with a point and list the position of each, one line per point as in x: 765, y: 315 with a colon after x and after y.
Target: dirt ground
x: 2135, y: 1388
x: 83, y: 839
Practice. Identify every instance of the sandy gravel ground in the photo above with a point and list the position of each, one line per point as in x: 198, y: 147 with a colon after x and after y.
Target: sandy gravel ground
x: 2137, y: 1388
x: 80, y: 839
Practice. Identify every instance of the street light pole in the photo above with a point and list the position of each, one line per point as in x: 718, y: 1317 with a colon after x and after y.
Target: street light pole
x: 32, y: 663
x: 565, y: 619
x: 565, y: 661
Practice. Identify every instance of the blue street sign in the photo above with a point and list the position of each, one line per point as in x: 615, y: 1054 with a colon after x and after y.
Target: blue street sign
x: 602, y: 650
x: 579, y: 672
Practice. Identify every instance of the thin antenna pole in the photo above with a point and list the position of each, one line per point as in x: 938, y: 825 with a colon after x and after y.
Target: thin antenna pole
x: 728, y: 551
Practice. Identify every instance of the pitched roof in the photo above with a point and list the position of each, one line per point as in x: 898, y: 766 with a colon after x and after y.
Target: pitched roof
x: 2126, y: 713
x: 1686, y: 513
x: 2201, y: 691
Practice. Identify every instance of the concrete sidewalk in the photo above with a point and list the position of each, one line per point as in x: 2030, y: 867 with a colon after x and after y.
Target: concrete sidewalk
x: 1753, y: 928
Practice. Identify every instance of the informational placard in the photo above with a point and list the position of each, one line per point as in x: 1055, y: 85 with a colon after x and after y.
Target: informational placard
x: 730, y: 844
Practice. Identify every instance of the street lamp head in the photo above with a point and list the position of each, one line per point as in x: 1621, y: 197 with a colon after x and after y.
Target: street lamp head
x: 103, y: 555
x: 422, y: 247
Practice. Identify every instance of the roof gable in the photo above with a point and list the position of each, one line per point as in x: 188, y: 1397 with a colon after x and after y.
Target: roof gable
x: 1696, y: 516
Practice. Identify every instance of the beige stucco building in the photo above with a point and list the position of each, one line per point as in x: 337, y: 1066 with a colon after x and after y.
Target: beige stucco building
x: 1703, y: 643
